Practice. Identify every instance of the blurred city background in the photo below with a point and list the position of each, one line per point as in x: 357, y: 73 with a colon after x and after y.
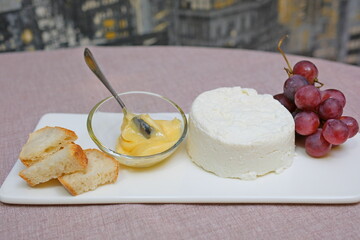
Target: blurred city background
x: 328, y: 29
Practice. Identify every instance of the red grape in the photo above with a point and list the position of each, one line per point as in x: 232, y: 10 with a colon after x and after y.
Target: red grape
x: 335, y: 131
x: 292, y: 84
x: 330, y: 108
x: 333, y: 93
x: 285, y: 102
x: 317, y: 114
x: 306, y: 123
x: 307, y: 97
x: 306, y: 69
x: 352, y: 124
x: 316, y: 145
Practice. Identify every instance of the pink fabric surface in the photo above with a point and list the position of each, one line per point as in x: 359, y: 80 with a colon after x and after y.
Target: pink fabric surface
x: 32, y: 84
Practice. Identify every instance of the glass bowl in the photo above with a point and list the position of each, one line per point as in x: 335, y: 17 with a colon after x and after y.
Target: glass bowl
x: 105, y: 119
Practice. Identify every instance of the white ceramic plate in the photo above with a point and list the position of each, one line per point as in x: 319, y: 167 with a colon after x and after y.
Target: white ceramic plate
x: 330, y: 180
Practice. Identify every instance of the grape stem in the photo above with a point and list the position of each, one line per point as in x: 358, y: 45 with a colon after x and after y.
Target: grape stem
x: 288, y: 70
x: 316, y: 80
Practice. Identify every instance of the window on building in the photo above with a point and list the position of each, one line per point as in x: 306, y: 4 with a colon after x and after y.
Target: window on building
x: 123, y: 23
x: 218, y: 31
x: 230, y: 28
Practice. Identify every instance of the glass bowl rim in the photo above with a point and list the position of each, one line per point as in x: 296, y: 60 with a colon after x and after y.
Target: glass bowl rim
x: 119, y: 155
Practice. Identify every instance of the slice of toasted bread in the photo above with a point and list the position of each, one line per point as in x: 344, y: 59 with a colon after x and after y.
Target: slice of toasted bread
x: 45, y: 142
x: 69, y: 159
x: 101, y: 169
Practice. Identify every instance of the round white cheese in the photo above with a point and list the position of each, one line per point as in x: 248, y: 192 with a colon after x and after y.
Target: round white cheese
x: 238, y: 133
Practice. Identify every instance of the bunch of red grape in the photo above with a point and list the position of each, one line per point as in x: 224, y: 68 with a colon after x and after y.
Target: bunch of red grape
x: 317, y: 114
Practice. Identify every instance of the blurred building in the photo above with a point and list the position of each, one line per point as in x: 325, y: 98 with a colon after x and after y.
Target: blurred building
x: 302, y: 15
x: 18, y: 29
x: 48, y: 24
x: 104, y: 22
x: 53, y: 22
x: 227, y: 23
x: 123, y: 22
x: 326, y: 29
x: 36, y: 24
x: 350, y: 52
x: 153, y: 20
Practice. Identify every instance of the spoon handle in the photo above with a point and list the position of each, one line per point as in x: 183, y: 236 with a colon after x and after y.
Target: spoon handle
x: 90, y: 61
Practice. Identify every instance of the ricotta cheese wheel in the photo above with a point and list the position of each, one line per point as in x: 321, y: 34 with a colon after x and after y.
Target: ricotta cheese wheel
x: 238, y: 133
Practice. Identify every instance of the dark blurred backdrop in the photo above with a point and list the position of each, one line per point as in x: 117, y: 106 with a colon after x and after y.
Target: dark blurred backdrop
x: 327, y: 29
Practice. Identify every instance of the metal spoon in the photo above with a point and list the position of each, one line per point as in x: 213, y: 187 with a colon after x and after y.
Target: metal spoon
x: 144, y: 128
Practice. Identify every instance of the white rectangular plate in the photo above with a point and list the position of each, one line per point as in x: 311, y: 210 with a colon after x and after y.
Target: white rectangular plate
x: 330, y: 180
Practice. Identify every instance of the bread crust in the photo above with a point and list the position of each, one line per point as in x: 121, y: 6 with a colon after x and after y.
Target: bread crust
x: 29, y: 160
x: 67, y: 186
x: 48, y: 147
x: 21, y: 174
x: 79, y: 154
x: 75, y: 153
x: 70, y: 188
x: 83, y: 160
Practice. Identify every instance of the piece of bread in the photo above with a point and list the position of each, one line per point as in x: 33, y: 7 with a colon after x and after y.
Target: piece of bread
x: 101, y: 169
x: 45, y: 142
x: 69, y: 159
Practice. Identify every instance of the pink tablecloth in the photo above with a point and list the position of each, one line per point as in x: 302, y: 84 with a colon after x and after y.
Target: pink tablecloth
x: 32, y: 84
